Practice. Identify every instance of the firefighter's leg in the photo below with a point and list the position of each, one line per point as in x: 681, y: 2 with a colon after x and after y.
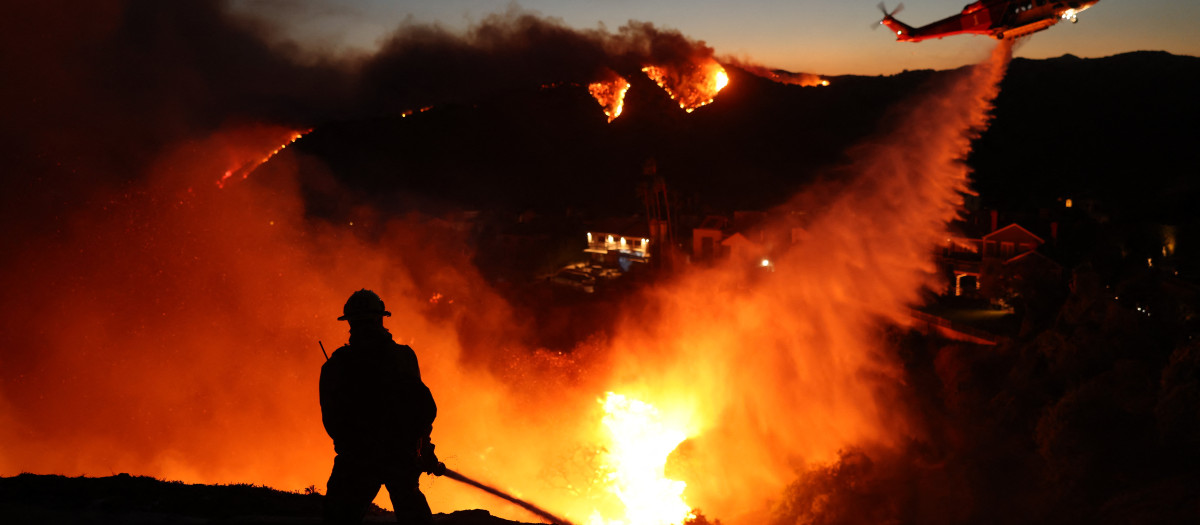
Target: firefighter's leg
x: 408, y: 501
x: 351, y: 488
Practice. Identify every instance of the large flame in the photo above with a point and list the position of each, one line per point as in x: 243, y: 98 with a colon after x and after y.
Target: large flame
x: 641, y: 438
x: 691, y: 87
x: 611, y: 96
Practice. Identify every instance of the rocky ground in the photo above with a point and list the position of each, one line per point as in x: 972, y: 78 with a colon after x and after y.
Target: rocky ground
x: 126, y: 499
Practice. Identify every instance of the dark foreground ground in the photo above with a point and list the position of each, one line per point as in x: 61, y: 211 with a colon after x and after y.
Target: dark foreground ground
x: 125, y: 499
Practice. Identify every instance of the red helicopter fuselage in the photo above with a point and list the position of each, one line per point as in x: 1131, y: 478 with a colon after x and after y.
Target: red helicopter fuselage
x: 999, y: 19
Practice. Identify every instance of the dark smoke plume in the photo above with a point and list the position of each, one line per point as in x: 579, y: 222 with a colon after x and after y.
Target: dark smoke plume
x: 93, y: 92
x: 421, y: 65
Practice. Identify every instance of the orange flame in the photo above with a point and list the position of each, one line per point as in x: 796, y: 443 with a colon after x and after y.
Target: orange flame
x: 611, y: 96
x: 640, y: 441
x: 693, y: 88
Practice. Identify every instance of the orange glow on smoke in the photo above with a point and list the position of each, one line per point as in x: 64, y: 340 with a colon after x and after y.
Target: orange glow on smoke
x: 171, y: 330
x: 611, y: 96
x: 692, y: 87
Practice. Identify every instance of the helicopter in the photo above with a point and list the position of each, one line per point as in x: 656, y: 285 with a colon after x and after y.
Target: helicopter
x: 999, y: 19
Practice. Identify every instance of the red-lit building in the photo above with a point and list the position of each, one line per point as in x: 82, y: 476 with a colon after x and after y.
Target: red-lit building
x: 707, y: 237
x: 749, y: 236
x: 743, y: 238
x: 969, y: 254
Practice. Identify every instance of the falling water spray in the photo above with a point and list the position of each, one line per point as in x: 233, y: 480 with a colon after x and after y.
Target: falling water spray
x: 780, y: 371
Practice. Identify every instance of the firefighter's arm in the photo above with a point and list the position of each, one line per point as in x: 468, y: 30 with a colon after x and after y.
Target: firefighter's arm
x: 330, y: 414
x: 428, y: 461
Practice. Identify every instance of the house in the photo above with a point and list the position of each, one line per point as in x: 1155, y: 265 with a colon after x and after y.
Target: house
x: 707, y: 237
x: 619, y: 243
x: 748, y: 236
x: 1009, y: 242
x: 970, y: 253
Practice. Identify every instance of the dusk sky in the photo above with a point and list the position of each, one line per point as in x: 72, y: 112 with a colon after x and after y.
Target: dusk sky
x: 829, y: 37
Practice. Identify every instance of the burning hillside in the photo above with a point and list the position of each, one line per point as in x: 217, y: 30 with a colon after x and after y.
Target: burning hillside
x: 194, y: 332
x: 422, y: 66
x: 693, y: 87
x: 611, y: 96
x: 241, y: 147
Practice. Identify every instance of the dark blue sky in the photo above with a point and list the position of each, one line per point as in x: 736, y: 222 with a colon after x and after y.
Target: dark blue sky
x: 821, y: 36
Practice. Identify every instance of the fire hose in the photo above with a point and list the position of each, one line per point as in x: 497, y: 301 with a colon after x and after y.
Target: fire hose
x: 554, y: 520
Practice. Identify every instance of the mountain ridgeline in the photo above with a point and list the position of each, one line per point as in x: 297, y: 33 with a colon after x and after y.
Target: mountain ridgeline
x: 1117, y: 130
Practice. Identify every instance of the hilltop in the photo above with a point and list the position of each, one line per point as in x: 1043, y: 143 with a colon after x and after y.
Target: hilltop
x: 1061, y: 125
x: 50, y: 499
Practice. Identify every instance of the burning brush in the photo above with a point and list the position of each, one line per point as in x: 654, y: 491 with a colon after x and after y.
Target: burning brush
x: 243, y: 167
x: 611, y: 96
x: 691, y: 88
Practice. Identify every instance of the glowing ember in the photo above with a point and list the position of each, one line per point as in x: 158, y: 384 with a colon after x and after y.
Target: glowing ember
x: 641, y: 442
x: 246, y: 168
x: 693, y: 88
x: 408, y: 112
x: 610, y: 95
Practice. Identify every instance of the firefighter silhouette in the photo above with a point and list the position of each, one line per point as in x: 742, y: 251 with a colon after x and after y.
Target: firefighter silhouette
x: 380, y: 416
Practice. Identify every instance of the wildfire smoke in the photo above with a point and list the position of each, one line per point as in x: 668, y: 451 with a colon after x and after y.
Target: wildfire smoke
x: 776, y: 75
x: 167, y: 323
x: 169, y: 327
x: 421, y: 65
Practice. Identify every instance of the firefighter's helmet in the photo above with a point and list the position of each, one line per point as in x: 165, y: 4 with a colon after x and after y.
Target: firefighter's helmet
x: 363, y: 304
